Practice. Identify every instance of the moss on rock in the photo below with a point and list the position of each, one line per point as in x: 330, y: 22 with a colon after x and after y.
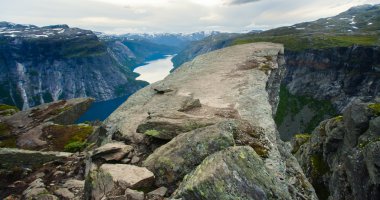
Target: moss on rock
x: 375, y: 107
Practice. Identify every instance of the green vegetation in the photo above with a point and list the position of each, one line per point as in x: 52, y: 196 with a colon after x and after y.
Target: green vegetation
x: 291, y: 105
x: 75, y: 146
x: 4, y: 130
x: 375, y: 107
x: 296, y: 42
x: 61, y: 135
x: 318, y: 168
x: 120, y: 90
x: 83, y: 48
x: 6, y: 107
x: 7, y: 140
x: 363, y: 144
x: 300, y: 140
x: 152, y: 133
x: 61, y: 110
x: 306, y: 136
x: 338, y: 118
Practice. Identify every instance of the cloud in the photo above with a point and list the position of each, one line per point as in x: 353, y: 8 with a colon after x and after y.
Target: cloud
x: 239, y: 2
x: 186, y: 16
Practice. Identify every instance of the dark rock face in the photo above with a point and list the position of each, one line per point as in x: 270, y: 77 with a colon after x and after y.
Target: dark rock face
x: 338, y: 74
x: 341, y: 158
x: 44, y: 64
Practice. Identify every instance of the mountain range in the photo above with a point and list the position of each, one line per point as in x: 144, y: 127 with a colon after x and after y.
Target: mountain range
x: 44, y: 64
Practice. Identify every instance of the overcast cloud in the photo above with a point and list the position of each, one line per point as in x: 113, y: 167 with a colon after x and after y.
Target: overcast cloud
x: 122, y: 16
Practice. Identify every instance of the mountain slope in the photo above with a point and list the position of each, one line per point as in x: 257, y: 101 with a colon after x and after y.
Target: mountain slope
x: 44, y: 64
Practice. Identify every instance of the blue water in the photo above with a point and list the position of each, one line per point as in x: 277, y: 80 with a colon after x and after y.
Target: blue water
x: 153, y: 71
x: 101, y: 110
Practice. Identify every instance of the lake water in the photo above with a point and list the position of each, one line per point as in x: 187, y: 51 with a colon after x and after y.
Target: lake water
x: 152, y: 72
x: 155, y: 70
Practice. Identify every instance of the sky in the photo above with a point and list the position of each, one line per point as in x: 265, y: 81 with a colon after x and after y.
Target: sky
x: 172, y: 16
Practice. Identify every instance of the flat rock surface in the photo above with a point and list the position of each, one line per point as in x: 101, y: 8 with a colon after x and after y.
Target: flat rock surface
x: 128, y: 175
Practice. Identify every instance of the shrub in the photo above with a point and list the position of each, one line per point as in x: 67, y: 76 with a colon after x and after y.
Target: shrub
x: 75, y: 146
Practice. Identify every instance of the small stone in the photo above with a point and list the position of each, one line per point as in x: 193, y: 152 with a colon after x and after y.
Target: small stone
x: 40, y: 175
x: 45, y: 197
x: 126, y: 161
x: 73, y: 183
x: 135, y: 159
x: 160, y: 192
x: 117, y: 198
x: 134, y: 195
x: 58, y: 173
x: 64, y: 192
x: 112, y: 151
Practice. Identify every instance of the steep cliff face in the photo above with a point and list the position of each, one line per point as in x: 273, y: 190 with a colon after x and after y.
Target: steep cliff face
x: 44, y: 64
x: 341, y: 157
x: 319, y: 84
x: 337, y: 74
x: 201, y: 131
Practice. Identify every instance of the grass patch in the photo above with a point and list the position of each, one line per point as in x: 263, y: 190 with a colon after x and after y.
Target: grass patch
x: 319, y: 168
x: 4, y: 107
x: 7, y: 140
x: 75, y: 146
x: 338, y: 118
x: 291, y: 105
x: 299, y: 42
x: 152, y: 133
x: 300, y: 139
x: 60, y: 136
x: 61, y: 110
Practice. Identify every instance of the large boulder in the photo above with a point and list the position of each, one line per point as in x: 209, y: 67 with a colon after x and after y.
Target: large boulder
x: 113, y: 179
x: 235, y: 173
x: 172, y: 161
x: 115, y: 151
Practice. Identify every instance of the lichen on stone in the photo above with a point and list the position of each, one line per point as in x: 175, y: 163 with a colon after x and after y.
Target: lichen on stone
x: 375, y: 107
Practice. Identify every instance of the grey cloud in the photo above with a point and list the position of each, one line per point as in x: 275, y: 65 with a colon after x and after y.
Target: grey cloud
x: 238, y: 2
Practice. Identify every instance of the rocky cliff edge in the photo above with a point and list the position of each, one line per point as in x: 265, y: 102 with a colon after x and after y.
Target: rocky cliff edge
x: 205, y: 132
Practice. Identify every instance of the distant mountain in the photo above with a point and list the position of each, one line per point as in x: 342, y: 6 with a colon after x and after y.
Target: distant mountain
x: 178, y: 40
x: 136, y: 52
x: 357, y: 26
x: 205, y: 45
x: 44, y: 64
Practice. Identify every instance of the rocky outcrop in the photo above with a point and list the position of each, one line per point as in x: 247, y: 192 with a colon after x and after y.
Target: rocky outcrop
x: 228, y: 174
x: 220, y: 99
x: 341, y: 156
x: 44, y: 64
x: 172, y: 161
x: 45, y: 126
x: 23, y: 158
x: 35, y: 174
